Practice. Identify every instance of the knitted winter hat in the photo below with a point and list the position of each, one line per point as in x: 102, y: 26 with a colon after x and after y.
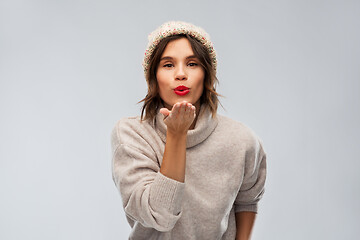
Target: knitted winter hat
x: 173, y: 28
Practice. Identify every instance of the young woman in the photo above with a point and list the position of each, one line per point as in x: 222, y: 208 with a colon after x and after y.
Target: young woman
x: 184, y: 171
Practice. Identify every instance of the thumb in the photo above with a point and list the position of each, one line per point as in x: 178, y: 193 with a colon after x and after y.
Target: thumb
x: 165, y: 112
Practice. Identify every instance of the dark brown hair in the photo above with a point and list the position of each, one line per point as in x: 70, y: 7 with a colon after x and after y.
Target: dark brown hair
x: 152, y: 101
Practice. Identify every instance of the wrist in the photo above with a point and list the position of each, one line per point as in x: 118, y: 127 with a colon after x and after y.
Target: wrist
x: 176, y: 135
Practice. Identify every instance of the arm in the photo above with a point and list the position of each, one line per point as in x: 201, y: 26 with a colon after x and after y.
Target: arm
x: 173, y: 164
x: 244, y: 224
x: 251, y: 191
x: 178, y: 123
x: 150, y: 195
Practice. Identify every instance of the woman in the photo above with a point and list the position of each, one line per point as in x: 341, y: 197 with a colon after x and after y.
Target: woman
x: 184, y: 171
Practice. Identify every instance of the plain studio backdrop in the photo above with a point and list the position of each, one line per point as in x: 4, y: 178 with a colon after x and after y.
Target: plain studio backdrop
x: 69, y: 70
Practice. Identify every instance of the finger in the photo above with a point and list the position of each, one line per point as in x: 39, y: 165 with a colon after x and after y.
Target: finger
x: 193, y: 111
x: 165, y: 112
x: 188, y: 109
x: 184, y: 105
x: 175, y: 110
x: 176, y: 105
x: 182, y: 109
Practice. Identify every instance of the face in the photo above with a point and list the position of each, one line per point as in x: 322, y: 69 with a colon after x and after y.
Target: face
x: 179, y: 67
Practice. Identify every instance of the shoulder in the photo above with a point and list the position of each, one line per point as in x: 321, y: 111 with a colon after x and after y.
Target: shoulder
x: 239, y: 132
x: 125, y: 123
x: 130, y: 131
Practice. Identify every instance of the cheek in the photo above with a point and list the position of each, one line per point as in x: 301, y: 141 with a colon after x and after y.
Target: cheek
x: 201, y: 87
x: 161, y: 77
x: 162, y: 83
x: 201, y: 80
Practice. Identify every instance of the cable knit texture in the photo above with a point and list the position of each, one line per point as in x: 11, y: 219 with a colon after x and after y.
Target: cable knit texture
x: 225, y: 173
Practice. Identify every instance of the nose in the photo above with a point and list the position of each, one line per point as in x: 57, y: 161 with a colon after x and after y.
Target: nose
x: 180, y: 73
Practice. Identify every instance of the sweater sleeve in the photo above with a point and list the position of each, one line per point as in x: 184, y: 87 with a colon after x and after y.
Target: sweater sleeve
x: 148, y: 196
x: 252, y: 188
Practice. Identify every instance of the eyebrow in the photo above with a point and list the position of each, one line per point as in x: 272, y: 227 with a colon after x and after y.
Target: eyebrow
x: 171, y: 58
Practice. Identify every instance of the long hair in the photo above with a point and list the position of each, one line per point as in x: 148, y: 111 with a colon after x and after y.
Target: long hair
x: 152, y: 101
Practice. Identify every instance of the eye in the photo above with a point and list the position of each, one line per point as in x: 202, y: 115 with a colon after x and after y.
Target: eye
x: 193, y: 64
x: 168, y: 65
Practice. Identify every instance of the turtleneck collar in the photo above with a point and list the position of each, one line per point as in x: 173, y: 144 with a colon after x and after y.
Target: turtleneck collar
x: 204, y: 126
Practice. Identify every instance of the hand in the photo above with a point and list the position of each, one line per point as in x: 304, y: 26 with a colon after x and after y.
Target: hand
x: 180, y: 118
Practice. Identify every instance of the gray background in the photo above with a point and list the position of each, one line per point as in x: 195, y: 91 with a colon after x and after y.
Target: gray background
x: 70, y: 69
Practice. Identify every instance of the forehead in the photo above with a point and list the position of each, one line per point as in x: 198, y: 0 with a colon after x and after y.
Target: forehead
x: 178, y: 48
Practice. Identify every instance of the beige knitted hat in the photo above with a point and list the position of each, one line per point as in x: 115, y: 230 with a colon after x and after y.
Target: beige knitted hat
x: 173, y: 28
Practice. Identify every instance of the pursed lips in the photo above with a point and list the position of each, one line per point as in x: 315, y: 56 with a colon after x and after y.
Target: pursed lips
x: 181, y: 88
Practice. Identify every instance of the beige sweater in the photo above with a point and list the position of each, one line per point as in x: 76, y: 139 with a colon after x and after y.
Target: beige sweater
x: 225, y: 173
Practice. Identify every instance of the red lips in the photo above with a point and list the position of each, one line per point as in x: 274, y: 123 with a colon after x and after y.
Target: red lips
x: 181, y: 90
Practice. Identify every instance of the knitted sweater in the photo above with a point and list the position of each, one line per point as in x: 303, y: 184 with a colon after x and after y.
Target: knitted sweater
x: 225, y: 173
